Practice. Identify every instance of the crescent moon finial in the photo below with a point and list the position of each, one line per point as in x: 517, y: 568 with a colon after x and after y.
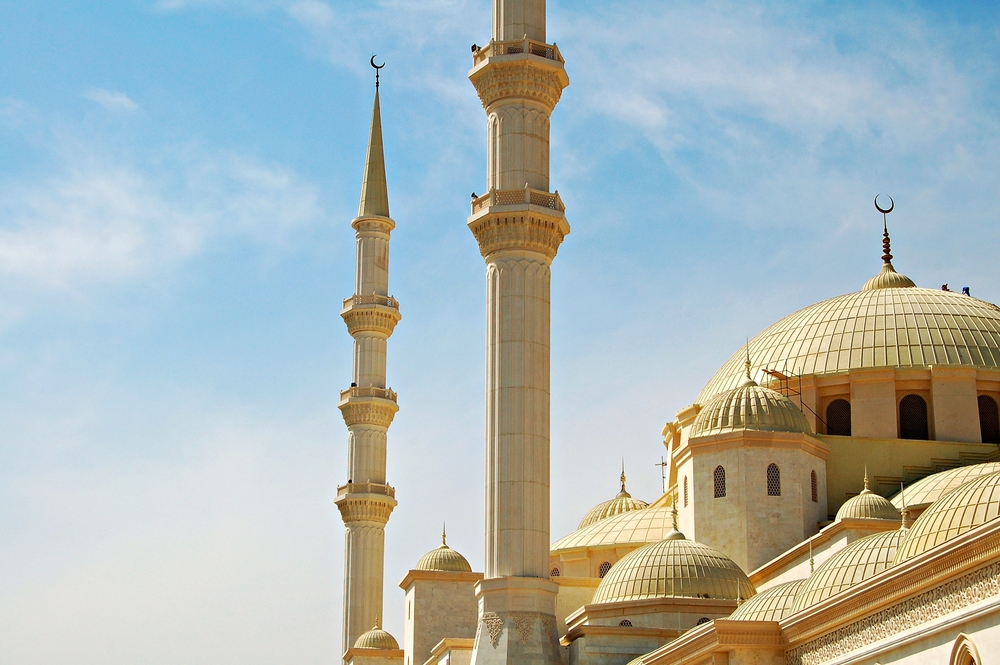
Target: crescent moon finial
x: 377, y: 67
x: 892, y: 204
x: 886, y: 254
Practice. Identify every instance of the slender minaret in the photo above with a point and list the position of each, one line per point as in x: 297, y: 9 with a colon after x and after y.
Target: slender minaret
x: 366, y: 501
x: 519, y: 225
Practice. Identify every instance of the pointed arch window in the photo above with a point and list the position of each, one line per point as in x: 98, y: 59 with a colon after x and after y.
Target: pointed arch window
x: 719, y: 478
x: 989, y: 419
x: 913, y: 418
x: 773, y: 480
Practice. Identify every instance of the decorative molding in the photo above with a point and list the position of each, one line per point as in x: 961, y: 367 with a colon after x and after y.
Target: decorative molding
x: 524, y: 625
x: 365, y: 508
x: 368, y: 411
x: 530, y: 232
x: 377, y: 319
x: 918, y: 610
x: 373, y: 225
x: 494, y: 625
x: 519, y: 79
x: 548, y: 624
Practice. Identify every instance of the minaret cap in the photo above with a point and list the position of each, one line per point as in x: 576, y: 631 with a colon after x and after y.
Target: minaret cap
x: 374, y: 193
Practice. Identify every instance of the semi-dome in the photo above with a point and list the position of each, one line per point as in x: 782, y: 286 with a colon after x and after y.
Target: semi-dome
x: 884, y: 327
x: 749, y: 407
x: 444, y: 559
x: 868, y: 506
x: 674, y: 568
x: 636, y: 527
x: 969, y: 506
x: 931, y: 488
x: 376, y: 638
x: 622, y: 503
x: 772, y: 604
x: 862, y: 559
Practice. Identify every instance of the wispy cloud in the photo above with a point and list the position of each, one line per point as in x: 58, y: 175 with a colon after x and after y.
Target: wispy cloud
x: 112, y: 101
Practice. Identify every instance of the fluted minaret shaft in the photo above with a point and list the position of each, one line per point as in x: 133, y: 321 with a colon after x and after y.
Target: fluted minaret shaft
x: 519, y: 225
x: 368, y: 407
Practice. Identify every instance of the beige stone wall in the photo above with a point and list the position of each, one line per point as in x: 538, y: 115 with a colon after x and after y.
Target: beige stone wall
x: 573, y: 594
x: 438, y: 606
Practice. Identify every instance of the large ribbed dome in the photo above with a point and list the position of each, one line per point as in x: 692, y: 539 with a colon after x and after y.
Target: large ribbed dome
x: 864, y: 558
x: 772, y: 604
x: 616, y: 506
x: 969, y: 506
x: 931, y: 488
x: 884, y: 327
x: 444, y: 559
x: 376, y: 638
x: 636, y: 527
x: 749, y: 407
x: 674, y: 568
x: 868, y: 506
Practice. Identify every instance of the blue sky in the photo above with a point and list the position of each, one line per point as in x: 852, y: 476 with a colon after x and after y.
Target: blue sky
x: 177, y: 180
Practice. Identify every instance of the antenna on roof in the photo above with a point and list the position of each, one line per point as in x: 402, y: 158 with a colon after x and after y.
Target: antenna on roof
x: 886, y: 256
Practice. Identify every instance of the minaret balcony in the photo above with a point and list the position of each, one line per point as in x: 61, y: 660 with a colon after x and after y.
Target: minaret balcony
x: 518, y: 197
x: 524, y: 69
x: 520, y: 219
x: 366, y: 488
x: 530, y: 46
x: 365, y: 502
x: 371, y: 313
x: 367, y: 391
x: 368, y: 406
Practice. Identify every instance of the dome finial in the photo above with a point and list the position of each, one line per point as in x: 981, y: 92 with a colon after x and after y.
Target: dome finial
x: 748, y: 359
x: 866, y: 479
x: 812, y: 563
x: 903, y: 511
x: 623, y: 474
x: 886, y: 256
x: 444, y: 535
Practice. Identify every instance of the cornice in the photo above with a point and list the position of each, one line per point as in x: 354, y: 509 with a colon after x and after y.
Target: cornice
x: 372, y: 411
x: 525, y: 227
x: 438, y: 576
x: 370, y: 318
x: 748, y: 633
x: 353, y: 654
x: 373, y: 225
x: 752, y: 439
x: 519, y: 77
x: 374, y: 509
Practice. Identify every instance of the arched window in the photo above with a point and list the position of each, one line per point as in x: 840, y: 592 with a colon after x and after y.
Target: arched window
x: 554, y: 572
x: 838, y: 417
x: 685, y: 491
x: 814, y: 485
x: 964, y: 652
x: 913, y: 418
x: 719, y: 476
x: 702, y: 620
x: 773, y: 480
x: 625, y: 623
x: 603, y: 570
x: 989, y: 419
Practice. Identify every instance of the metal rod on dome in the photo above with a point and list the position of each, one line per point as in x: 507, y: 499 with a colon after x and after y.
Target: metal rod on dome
x: 886, y: 255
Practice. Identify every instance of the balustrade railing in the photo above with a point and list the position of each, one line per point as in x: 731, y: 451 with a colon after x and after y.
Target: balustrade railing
x: 541, y: 49
x: 373, y: 299
x: 506, y: 197
x: 368, y: 391
x: 367, y: 488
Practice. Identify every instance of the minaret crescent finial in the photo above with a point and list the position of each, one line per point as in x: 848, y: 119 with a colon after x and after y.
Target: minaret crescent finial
x: 377, y: 67
x: 886, y: 255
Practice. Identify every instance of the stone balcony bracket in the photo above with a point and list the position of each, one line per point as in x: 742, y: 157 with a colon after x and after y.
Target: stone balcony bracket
x: 371, y: 507
x: 372, y: 314
x: 530, y: 221
x: 370, y: 406
x: 524, y: 69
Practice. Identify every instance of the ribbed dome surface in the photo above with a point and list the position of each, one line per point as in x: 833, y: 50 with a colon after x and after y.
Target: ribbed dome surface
x: 888, y: 278
x: 772, y: 604
x: 376, y: 638
x: 749, y: 407
x: 674, y: 568
x: 868, y: 506
x: 864, y: 558
x: 444, y: 559
x: 928, y: 490
x: 972, y: 504
x: 879, y: 328
x: 636, y: 527
x: 616, y: 506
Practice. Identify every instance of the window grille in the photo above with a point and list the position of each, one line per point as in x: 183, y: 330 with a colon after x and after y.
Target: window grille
x: 720, y: 482
x: 773, y: 480
x: 815, y: 486
x: 702, y: 620
x: 686, y: 490
x: 554, y: 572
x: 989, y: 419
x: 838, y: 417
x: 603, y: 570
x: 625, y: 623
x: 913, y: 418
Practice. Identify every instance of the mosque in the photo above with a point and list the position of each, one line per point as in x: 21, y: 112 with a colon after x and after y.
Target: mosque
x: 833, y: 491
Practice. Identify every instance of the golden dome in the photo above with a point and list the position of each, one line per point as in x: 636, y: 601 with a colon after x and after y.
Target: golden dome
x: 888, y: 278
x: 864, y: 558
x: 889, y: 327
x: 972, y: 504
x: 376, y: 638
x: 444, y: 559
x: 622, y: 503
x: 749, y: 407
x: 868, y: 506
x: 636, y: 527
x: 928, y: 490
x: 675, y: 568
x: 772, y: 604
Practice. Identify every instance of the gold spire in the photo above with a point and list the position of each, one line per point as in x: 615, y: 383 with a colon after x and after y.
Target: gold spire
x: 866, y: 480
x: 374, y: 194
x: 812, y: 563
x: 903, y: 511
x: 444, y: 535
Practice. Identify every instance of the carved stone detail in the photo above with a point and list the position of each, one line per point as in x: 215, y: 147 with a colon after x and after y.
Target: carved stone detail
x: 370, y: 318
x: 548, y: 624
x: 524, y: 625
x: 369, y: 225
x: 519, y: 79
x: 365, y: 509
x: 918, y: 610
x: 528, y: 231
x: 368, y: 411
x: 494, y: 626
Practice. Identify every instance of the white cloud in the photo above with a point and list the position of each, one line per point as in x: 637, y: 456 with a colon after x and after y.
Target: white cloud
x: 111, y: 101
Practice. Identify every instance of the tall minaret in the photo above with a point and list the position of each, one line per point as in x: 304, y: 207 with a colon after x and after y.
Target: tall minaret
x: 366, y: 501
x: 519, y: 225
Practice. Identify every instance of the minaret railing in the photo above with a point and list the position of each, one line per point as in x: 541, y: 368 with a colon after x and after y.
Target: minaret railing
x: 530, y: 46
x: 526, y: 196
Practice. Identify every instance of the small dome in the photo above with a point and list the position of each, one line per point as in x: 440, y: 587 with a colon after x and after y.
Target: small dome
x: 772, y: 604
x: 636, y: 527
x: 972, y: 504
x: 444, y: 559
x: 622, y: 503
x: 868, y: 506
x: 749, y: 407
x: 376, y: 638
x: 864, y: 558
x: 676, y: 568
x: 931, y: 488
x: 888, y: 278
